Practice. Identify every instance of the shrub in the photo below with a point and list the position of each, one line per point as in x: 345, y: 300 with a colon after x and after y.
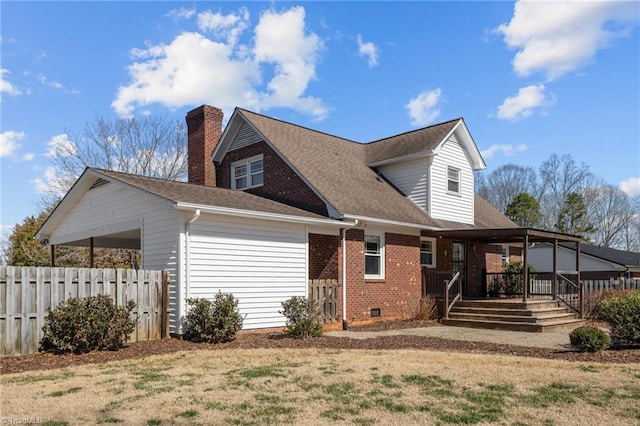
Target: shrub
x: 426, y: 309
x: 592, y: 302
x: 589, y: 339
x: 303, y: 317
x: 82, y: 325
x: 213, y: 321
x: 512, y: 276
x: 622, y: 312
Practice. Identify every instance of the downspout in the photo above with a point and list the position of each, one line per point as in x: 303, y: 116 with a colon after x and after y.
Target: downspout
x: 187, y: 258
x: 345, y: 323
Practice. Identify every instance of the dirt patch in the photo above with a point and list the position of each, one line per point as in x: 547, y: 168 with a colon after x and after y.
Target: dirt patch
x: 281, y: 340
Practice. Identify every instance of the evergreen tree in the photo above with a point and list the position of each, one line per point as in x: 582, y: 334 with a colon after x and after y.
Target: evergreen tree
x: 524, y: 210
x: 573, y: 218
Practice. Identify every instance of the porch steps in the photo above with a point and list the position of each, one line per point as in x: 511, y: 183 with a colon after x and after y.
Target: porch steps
x: 533, y: 316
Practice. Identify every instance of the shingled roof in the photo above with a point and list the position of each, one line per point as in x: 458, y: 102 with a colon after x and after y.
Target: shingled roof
x: 189, y: 193
x: 338, y: 169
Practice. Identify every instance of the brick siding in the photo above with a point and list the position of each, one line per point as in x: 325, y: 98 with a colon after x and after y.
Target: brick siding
x: 204, y: 128
x: 281, y: 183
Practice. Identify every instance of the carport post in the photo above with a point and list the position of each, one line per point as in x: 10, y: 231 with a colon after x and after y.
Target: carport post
x: 52, y: 255
x: 91, y: 252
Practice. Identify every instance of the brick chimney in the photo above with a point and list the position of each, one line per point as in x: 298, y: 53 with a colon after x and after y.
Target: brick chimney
x: 204, y: 128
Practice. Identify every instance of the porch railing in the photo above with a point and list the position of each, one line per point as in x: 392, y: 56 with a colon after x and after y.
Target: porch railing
x: 570, y: 293
x: 449, y: 301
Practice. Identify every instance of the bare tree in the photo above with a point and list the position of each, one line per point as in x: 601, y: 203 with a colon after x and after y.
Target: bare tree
x: 612, y: 210
x: 559, y: 177
x: 150, y: 146
x: 506, y: 183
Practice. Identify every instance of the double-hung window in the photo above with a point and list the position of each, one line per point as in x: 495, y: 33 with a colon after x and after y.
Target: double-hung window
x: 428, y: 252
x: 247, y: 173
x: 453, y: 180
x: 373, y: 256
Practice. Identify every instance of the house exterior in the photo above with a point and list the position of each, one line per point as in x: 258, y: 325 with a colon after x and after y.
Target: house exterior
x: 270, y: 206
x: 596, y: 262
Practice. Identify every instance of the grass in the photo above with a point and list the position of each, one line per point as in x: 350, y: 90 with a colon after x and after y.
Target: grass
x: 312, y: 386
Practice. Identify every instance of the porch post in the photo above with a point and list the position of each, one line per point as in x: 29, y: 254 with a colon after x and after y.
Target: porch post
x: 554, y: 279
x: 578, y: 262
x: 91, y: 252
x: 525, y: 269
x: 52, y: 255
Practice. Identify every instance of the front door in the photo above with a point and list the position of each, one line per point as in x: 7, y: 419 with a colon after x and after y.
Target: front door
x: 458, y: 264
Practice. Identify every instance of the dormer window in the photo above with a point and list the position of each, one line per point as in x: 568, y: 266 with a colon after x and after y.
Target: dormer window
x: 247, y: 173
x: 453, y: 180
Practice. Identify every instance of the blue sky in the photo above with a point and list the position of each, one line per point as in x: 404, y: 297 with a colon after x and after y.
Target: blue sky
x: 530, y: 79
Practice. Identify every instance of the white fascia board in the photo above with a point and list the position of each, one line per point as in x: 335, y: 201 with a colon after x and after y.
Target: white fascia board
x: 404, y: 158
x: 260, y: 215
x: 228, y: 134
x: 477, y: 162
x: 386, y: 222
x: 81, y: 185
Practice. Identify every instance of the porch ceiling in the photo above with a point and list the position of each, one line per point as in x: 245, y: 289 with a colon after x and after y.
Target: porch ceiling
x: 126, y: 239
x: 505, y: 235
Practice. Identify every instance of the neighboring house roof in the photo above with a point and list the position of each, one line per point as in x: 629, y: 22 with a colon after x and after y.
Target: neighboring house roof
x: 629, y: 259
x: 337, y: 169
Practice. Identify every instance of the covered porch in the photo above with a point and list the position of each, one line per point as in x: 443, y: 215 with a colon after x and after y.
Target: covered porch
x: 475, y: 289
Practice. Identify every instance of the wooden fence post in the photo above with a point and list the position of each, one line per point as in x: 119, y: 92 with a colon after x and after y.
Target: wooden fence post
x: 164, y: 333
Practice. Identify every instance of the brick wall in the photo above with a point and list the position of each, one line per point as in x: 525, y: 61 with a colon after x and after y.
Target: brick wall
x: 323, y: 256
x: 204, y: 128
x: 398, y: 294
x: 281, y: 183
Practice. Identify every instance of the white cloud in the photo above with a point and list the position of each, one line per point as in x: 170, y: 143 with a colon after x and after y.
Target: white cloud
x: 6, y: 86
x: 225, y: 27
x: 369, y: 50
x: 524, y: 103
x: 631, y: 186
x: 47, y: 183
x: 28, y: 156
x: 60, y: 146
x: 43, y: 79
x: 423, y: 109
x: 555, y: 38
x: 194, y: 69
x: 182, y: 13
x: 10, y: 142
x: 506, y: 150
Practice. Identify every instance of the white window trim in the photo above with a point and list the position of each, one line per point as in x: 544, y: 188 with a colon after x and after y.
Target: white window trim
x: 505, y: 261
x: 247, y: 162
x: 457, y: 169
x: 433, y: 252
x: 382, y: 257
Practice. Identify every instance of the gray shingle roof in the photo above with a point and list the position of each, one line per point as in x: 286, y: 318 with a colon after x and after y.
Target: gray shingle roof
x: 183, y: 192
x: 338, y: 169
x: 621, y: 257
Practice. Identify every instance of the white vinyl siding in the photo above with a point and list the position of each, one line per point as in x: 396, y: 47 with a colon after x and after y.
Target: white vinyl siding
x: 541, y: 257
x: 445, y: 204
x: 159, y: 225
x: 411, y: 178
x: 246, y: 136
x: 263, y: 263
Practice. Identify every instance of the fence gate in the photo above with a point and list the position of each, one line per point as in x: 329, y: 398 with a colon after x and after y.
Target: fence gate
x: 325, y: 292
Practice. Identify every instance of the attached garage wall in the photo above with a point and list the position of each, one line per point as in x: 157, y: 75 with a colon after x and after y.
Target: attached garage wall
x: 263, y: 263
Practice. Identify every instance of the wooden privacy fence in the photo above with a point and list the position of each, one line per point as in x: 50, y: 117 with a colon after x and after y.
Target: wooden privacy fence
x: 26, y: 293
x: 325, y: 292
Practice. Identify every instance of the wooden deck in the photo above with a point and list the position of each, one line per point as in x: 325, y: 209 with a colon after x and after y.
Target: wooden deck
x: 535, y: 315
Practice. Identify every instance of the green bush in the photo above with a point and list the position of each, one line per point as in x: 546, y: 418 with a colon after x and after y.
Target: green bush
x: 512, y: 276
x: 213, y: 321
x: 622, y: 312
x: 589, y: 339
x: 82, y: 325
x: 303, y: 317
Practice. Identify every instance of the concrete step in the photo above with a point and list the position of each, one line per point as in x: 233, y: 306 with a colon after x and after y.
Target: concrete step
x: 557, y: 325
x: 532, y: 319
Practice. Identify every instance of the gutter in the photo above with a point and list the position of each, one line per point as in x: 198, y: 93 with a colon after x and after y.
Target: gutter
x: 187, y: 258
x: 345, y: 323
